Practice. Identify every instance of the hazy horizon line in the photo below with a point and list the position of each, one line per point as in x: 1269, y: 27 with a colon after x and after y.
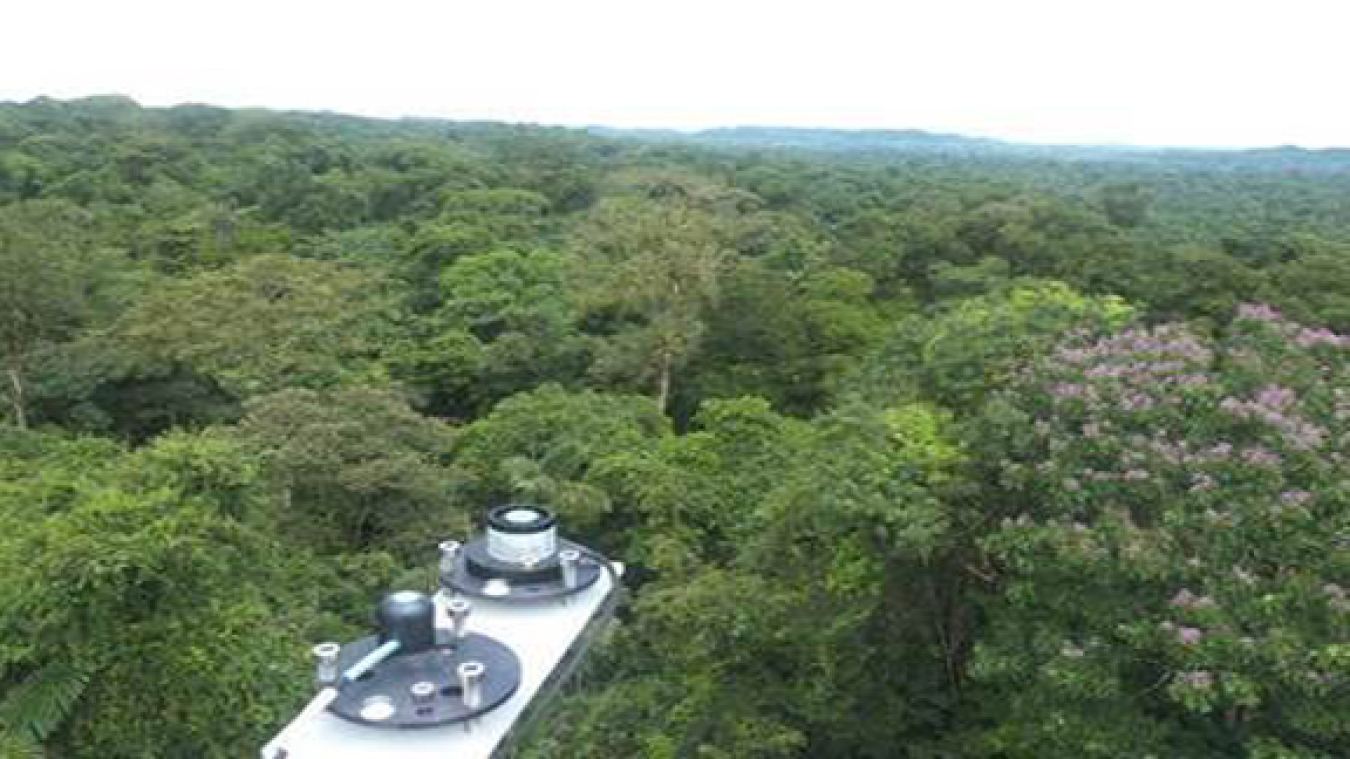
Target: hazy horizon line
x: 689, y: 130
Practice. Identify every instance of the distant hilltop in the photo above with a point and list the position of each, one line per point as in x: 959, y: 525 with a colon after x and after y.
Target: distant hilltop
x: 874, y: 142
x: 821, y: 139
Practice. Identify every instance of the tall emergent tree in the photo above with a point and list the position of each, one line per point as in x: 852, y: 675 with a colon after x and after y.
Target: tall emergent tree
x: 653, y: 270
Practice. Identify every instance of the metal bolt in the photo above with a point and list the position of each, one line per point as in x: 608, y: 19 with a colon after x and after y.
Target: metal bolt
x: 568, y: 559
x: 471, y: 683
x: 422, y: 692
x: 325, y: 663
x: 449, y: 556
x: 458, y: 609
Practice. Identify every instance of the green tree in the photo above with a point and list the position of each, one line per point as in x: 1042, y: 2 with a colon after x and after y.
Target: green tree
x: 127, y: 586
x: 1125, y: 204
x: 687, y: 497
x: 977, y: 345
x: 546, y: 445
x: 788, y: 338
x: 505, y: 324
x: 266, y: 323
x: 1171, y: 584
x: 1314, y: 288
x: 830, y: 607
x: 57, y: 280
x: 1197, y: 281
x: 358, y: 469
x: 654, y: 270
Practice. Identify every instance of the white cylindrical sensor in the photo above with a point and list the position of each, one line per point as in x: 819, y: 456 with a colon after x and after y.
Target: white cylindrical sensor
x: 520, y: 534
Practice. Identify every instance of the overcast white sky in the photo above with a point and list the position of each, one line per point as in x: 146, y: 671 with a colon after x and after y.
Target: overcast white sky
x: 1179, y: 72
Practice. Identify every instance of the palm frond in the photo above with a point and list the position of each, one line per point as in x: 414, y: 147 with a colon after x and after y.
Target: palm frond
x: 34, y: 708
x: 19, y: 746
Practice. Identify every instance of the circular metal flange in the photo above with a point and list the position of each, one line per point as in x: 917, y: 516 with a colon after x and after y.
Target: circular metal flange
x: 476, y: 573
x: 521, y: 518
x: 394, y: 694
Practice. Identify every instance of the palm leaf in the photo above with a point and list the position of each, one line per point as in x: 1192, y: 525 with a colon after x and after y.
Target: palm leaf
x: 34, y: 708
x: 18, y: 746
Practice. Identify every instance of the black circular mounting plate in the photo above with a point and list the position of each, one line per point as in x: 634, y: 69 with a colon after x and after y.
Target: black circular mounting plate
x: 392, y: 681
x: 479, y: 575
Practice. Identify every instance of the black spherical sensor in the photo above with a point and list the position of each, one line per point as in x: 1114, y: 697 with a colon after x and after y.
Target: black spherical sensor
x: 408, y: 617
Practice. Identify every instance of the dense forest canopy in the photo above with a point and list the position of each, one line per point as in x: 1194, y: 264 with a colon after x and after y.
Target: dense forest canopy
x: 917, y: 446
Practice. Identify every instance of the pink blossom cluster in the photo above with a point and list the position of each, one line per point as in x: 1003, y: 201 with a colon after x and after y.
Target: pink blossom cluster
x: 1188, y: 636
x: 1260, y: 312
x: 1260, y: 457
x: 1198, y: 679
x: 1303, y: 337
x: 1197, y: 475
x: 1295, y: 497
x: 1185, y: 599
x: 1312, y: 338
x: 1139, y: 351
x: 1274, y: 406
x: 1135, y: 371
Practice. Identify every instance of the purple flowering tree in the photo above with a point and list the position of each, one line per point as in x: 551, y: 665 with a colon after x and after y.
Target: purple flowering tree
x: 1173, y: 546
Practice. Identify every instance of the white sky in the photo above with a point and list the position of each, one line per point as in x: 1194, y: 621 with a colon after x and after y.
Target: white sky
x: 1179, y: 72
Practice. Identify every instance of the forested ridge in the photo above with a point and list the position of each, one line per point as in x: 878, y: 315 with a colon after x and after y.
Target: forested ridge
x: 915, y: 447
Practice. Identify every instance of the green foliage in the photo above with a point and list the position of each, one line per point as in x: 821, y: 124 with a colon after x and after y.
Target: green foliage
x: 55, y: 282
x: 34, y: 708
x: 1172, y: 505
x: 654, y: 269
x: 1196, y: 281
x: 543, y: 445
x: 266, y: 323
x: 802, y: 626
x: 126, y: 597
x: 357, y: 469
x: 91, y: 384
x: 511, y: 214
x: 905, y: 489
x: 787, y: 339
x: 1125, y: 204
x: 505, y: 324
x: 1315, y: 287
x: 977, y: 345
x: 704, y: 691
x: 690, y: 493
